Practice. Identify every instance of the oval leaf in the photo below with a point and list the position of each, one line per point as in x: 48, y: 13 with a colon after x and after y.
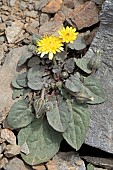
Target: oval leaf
x: 73, y: 83
x: 94, y: 89
x: 15, y: 84
x: 42, y: 141
x: 78, y: 44
x: 78, y: 127
x: 83, y: 64
x: 20, y: 114
x: 60, y: 115
x: 22, y: 79
x: 24, y: 58
x: 35, y: 77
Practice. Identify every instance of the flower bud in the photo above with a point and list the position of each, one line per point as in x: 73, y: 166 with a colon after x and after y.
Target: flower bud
x: 83, y: 98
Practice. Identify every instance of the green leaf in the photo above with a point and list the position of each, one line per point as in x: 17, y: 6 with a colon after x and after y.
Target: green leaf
x: 60, y: 115
x: 69, y: 65
x: 93, y: 88
x: 78, y: 44
x: 24, y: 58
x: 90, y: 167
x: 22, y: 79
x: 90, y: 87
x: 43, y: 142
x: 73, y: 83
x: 33, y: 61
x: 17, y: 93
x: 15, y: 84
x: 35, y: 77
x: 78, y: 127
x: 83, y: 64
x: 20, y: 114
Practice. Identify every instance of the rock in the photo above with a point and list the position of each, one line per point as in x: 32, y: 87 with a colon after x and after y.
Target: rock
x: 31, y: 29
x: 32, y: 14
x: 100, y: 162
x: 12, y: 2
x: 13, y: 30
x: 39, y: 167
x: 69, y: 3
x: 2, y: 39
x: 65, y: 10
x: 89, y: 36
x: 23, y: 5
x: 59, y: 16
x: 16, y: 164
x: 11, y: 150
x: 85, y: 15
x: 98, y: 2
x: 34, y: 23
x: 44, y: 18
x: 4, y: 18
x: 77, y: 3
x: 64, y: 161
x: 8, y: 71
x: 99, y: 169
x: 2, y: 147
x: 50, y: 27
x: 40, y: 4
x: 52, y: 7
x: 1, y: 156
x: 2, y: 27
x: 1, y: 53
x: 8, y: 136
x: 3, y: 162
x: 100, y: 133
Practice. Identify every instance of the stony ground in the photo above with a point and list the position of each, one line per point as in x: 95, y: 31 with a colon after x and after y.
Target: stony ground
x: 19, y: 20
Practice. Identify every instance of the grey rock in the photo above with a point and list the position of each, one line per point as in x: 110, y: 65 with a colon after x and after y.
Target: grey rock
x: 23, y: 5
x: 16, y: 164
x: 100, y: 162
x: 30, y: 7
x: 1, y: 53
x: 98, y: 2
x: 100, y: 133
x: 2, y: 39
x: 34, y: 23
x: 32, y: 14
x: 64, y: 161
x: 2, y: 147
x: 13, y: 30
x: 40, y: 4
x: 0, y: 19
x: 12, y: 2
x: 8, y: 71
x: 44, y: 18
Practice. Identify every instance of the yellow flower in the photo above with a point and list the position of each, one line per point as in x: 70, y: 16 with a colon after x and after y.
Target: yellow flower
x: 49, y: 45
x: 68, y: 34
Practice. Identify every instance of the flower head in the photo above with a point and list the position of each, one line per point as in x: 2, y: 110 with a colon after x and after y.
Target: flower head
x: 68, y: 34
x: 49, y: 45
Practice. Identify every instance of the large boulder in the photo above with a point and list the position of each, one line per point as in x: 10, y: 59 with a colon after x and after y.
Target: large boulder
x: 100, y: 134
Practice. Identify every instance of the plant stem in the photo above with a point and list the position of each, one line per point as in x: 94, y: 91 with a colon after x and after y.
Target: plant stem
x: 43, y: 93
x: 54, y: 61
x: 66, y: 48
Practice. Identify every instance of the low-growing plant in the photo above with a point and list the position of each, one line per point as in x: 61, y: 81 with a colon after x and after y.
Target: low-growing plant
x: 54, y: 96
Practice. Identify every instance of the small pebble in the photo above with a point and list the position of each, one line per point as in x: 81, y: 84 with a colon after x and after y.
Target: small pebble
x: 22, y: 5
x: 12, y: 2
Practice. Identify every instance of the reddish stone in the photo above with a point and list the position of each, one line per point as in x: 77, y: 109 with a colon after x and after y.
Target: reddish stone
x: 52, y: 7
x: 85, y: 15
